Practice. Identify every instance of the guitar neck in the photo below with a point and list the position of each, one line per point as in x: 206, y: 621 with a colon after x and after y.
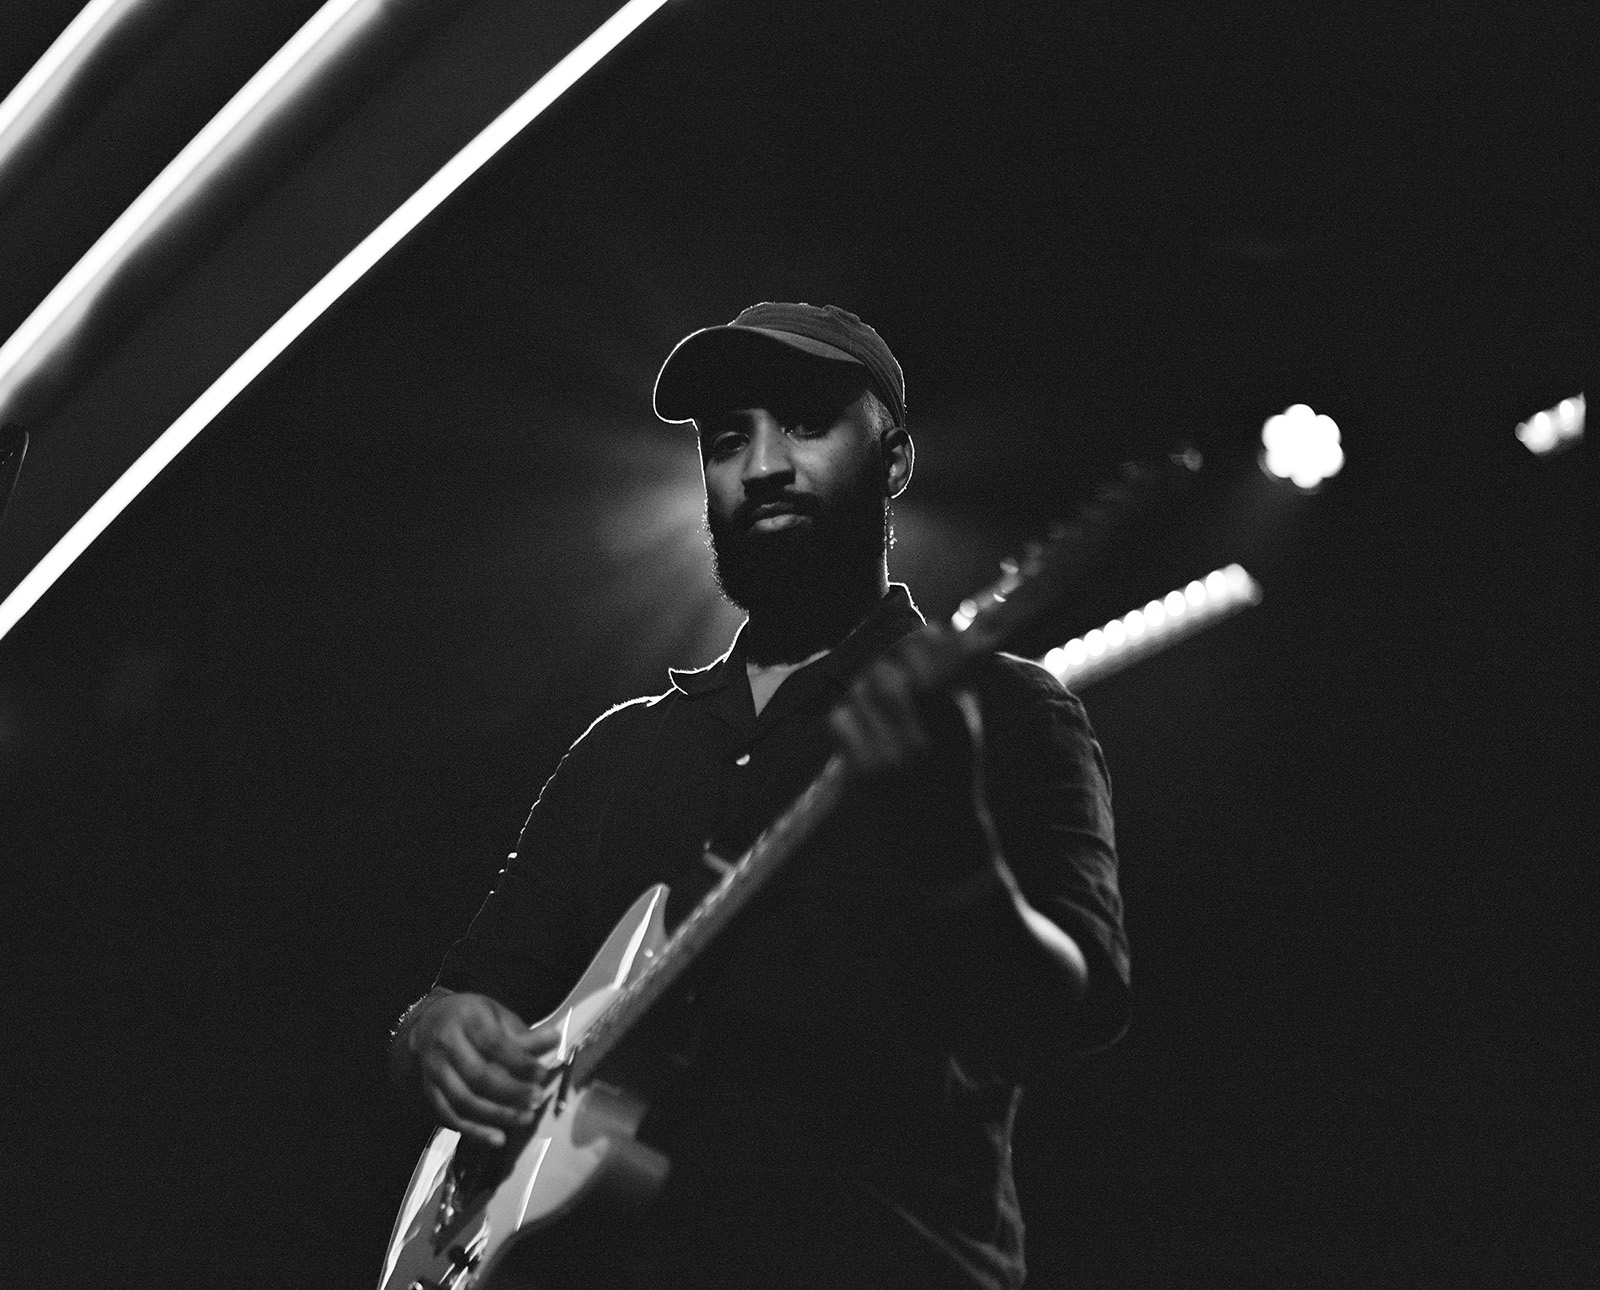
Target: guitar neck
x: 739, y: 885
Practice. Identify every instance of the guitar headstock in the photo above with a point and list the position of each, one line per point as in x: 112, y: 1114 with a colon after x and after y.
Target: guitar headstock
x: 1032, y: 581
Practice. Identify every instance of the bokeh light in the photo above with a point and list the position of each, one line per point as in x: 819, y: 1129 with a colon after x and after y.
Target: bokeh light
x: 1554, y: 428
x: 1141, y: 632
x: 1301, y: 446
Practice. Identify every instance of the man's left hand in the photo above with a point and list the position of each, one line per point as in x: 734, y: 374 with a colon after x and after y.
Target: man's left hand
x: 894, y: 715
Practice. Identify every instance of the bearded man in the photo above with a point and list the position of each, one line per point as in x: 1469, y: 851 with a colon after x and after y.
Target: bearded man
x: 837, y: 1083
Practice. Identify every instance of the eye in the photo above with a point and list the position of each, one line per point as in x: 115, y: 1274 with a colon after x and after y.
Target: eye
x: 724, y: 443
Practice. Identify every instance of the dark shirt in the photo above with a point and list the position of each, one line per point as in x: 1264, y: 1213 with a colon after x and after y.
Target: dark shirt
x: 852, y: 1025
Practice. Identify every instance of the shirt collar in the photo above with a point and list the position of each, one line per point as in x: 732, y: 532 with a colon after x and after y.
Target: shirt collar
x: 893, y: 617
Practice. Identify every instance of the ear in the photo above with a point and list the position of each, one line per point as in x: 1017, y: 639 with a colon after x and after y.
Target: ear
x: 899, y: 456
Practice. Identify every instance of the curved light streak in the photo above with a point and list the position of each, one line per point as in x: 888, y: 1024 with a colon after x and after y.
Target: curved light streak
x: 46, y: 83
x: 505, y: 127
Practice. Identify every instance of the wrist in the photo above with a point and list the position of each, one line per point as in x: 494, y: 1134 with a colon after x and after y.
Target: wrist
x: 402, y: 1044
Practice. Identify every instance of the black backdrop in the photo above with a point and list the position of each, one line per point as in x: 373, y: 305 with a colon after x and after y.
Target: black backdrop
x: 264, y: 746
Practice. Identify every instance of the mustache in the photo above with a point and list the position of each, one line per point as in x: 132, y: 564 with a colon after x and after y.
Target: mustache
x: 744, y: 514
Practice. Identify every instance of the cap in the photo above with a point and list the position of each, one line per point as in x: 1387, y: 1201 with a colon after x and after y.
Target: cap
x: 704, y: 360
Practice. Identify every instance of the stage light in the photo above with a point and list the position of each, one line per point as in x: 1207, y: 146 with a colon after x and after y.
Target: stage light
x: 72, y: 293
x: 1141, y: 632
x: 44, y: 86
x: 1554, y: 428
x: 1301, y: 446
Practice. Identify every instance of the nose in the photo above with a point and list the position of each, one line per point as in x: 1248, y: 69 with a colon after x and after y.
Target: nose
x: 767, y: 456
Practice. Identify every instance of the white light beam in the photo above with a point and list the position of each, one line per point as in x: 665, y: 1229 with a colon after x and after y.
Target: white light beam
x: 48, y: 80
x: 1096, y: 654
x: 545, y: 91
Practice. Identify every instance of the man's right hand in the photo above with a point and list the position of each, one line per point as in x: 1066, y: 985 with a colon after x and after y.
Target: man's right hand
x: 476, y: 1063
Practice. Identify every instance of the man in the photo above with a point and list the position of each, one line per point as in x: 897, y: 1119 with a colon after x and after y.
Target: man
x: 836, y: 1084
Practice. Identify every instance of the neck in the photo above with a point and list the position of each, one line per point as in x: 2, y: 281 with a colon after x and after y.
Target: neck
x: 796, y: 630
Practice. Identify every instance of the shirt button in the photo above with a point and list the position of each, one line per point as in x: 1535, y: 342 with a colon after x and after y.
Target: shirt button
x: 742, y: 760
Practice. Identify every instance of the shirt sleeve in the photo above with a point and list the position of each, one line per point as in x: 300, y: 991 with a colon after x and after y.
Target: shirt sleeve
x: 1050, y: 796
x: 529, y: 941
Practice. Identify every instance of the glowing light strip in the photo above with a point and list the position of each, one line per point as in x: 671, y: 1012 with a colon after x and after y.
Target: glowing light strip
x: 1141, y: 632
x: 1554, y: 428
x: 47, y: 79
x: 324, y: 37
x: 310, y: 306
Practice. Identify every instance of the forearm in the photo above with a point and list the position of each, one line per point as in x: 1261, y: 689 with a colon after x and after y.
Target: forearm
x: 1023, y: 973
x: 1042, y: 951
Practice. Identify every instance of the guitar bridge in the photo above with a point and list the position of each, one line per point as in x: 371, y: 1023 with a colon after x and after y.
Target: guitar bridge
x: 474, y: 1172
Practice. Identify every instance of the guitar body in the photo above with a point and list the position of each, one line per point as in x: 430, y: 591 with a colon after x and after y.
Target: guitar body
x: 467, y: 1203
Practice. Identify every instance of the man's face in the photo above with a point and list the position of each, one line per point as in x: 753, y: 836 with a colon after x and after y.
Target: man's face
x: 796, y: 503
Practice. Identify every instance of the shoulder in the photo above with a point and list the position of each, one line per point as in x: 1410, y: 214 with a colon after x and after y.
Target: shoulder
x: 1008, y: 678
x: 621, y: 723
x: 604, y: 750
x: 1031, y: 719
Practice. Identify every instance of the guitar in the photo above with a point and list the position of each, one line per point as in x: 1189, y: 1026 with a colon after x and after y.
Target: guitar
x: 467, y: 1203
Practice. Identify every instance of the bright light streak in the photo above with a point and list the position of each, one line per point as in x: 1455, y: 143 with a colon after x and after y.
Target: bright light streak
x: 1104, y: 650
x: 1301, y: 446
x: 545, y: 91
x: 47, y: 80
x: 1554, y: 428
x: 229, y: 133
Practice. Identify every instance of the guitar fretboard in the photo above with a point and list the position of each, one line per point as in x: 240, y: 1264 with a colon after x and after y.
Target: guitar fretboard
x: 739, y: 885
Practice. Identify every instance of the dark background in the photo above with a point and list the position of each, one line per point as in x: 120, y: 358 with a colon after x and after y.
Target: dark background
x: 263, y: 747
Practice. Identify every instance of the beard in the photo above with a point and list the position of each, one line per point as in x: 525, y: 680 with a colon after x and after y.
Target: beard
x: 813, y: 570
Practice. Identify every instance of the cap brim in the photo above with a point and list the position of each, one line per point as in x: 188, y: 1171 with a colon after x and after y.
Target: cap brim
x: 711, y: 365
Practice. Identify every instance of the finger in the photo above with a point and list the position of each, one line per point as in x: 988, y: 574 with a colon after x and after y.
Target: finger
x: 489, y: 1029
x: 467, y: 1128
x: 870, y: 745
x: 859, y: 750
x: 890, y: 690
x: 490, y: 1080
x: 920, y: 654
x: 899, y: 702
x: 886, y: 714
x: 511, y: 1047
x: 473, y: 1107
x: 536, y: 1039
x: 537, y: 1043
